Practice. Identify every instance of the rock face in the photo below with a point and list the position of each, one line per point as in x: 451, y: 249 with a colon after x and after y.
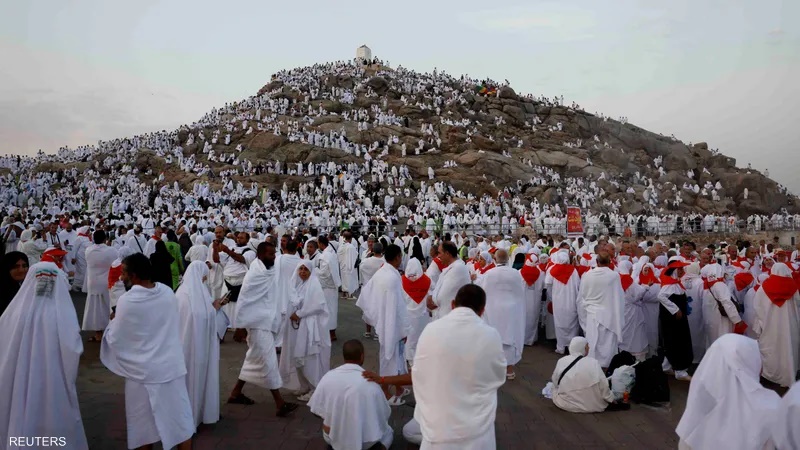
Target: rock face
x: 507, y: 137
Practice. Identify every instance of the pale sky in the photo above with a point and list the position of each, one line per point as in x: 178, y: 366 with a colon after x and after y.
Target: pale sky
x: 725, y: 72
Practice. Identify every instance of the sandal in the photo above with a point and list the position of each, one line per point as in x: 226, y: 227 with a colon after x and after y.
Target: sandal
x: 511, y: 376
x: 93, y: 339
x: 286, y: 409
x: 241, y: 399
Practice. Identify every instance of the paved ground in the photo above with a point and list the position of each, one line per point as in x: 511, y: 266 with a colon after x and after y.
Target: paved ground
x: 525, y: 420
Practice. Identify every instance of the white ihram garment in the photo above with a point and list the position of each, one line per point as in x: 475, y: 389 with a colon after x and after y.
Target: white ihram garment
x: 453, y: 277
x: 306, y: 352
x: 355, y: 409
x: 727, y: 407
x: 39, y: 361
x: 384, y: 305
x: 143, y: 345
x: 600, y: 306
x: 97, y: 311
x: 565, y: 309
x: 505, y: 309
x: 200, y: 343
x: 259, y: 313
x: 458, y: 368
x: 778, y: 330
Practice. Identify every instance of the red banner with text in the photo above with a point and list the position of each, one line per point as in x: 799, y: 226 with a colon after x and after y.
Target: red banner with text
x: 574, y: 224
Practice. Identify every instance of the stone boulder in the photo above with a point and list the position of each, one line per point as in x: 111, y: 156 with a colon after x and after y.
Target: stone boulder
x: 507, y: 92
x: 379, y: 85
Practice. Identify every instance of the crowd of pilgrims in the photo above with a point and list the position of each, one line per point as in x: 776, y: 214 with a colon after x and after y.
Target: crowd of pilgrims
x: 161, y: 297
x: 171, y: 270
x: 112, y: 184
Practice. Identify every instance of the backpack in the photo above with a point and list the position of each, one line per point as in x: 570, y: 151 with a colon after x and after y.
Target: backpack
x: 622, y: 358
x: 651, y: 382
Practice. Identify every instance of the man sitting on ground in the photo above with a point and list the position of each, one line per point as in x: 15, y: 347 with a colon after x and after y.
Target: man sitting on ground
x: 579, y: 384
x: 354, y: 412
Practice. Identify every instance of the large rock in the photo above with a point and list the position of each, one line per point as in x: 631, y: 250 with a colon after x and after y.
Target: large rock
x: 516, y: 112
x: 507, y: 92
x: 378, y: 84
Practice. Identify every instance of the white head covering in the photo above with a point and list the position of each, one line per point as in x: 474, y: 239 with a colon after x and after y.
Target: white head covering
x: 544, y: 258
x: 781, y: 270
x: 194, y: 288
x: 413, y: 269
x: 486, y: 256
x: 661, y: 260
x: 40, y: 329
x: 577, y: 346
x: 561, y: 257
x: 625, y: 267
x: 693, y: 269
x: 26, y: 236
x: 727, y: 406
x: 712, y: 272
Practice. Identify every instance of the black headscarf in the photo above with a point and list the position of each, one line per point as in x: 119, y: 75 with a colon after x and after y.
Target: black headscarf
x: 10, y: 286
x: 162, y: 261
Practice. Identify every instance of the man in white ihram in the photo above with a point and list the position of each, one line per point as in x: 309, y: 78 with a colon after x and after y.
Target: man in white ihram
x: 454, y: 275
x: 600, y: 310
x: 354, y: 412
x: 505, y: 308
x: 260, y: 319
x: 143, y: 344
x: 458, y: 368
x: 383, y: 303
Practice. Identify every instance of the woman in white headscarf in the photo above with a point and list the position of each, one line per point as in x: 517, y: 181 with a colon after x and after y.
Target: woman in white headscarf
x: 198, y: 312
x: 306, y: 352
x: 719, y: 311
x: 727, y: 407
x: 199, y: 250
x: 581, y: 386
x: 39, y: 360
x: 33, y: 248
x: 416, y: 285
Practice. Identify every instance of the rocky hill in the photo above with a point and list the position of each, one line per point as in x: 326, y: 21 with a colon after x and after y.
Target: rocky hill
x: 495, y: 136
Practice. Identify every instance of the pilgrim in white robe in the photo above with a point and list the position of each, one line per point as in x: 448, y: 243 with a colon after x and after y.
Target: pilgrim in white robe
x: 785, y: 433
x: 777, y: 326
x: 534, y: 284
x: 727, y: 407
x: 601, y: 310
x: 97, y: 310
x: 328, y: 273
x: 713, y: 296
x: 584, y: 387
x: 78, y: 253
x: 458, y: 368
x: 259, y: 313
x: 200, y: 343
x: 286, y: 264
x: 416, y: 286
x: 453, y: 277
x: 562, y: 283
x: 697, y: 326
x: 634, y: 333
x: 39, y: 361
x: 306, y: 353
x: 348, y: 254
x: 505, y: 309
x: 354, y: 409
x: 143, y: 345
x: 383, y: 302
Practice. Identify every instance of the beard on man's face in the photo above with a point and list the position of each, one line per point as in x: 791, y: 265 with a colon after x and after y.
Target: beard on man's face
x: 127, y: 285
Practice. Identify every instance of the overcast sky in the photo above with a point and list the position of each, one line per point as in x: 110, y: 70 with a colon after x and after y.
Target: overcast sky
x: 721, y: 71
